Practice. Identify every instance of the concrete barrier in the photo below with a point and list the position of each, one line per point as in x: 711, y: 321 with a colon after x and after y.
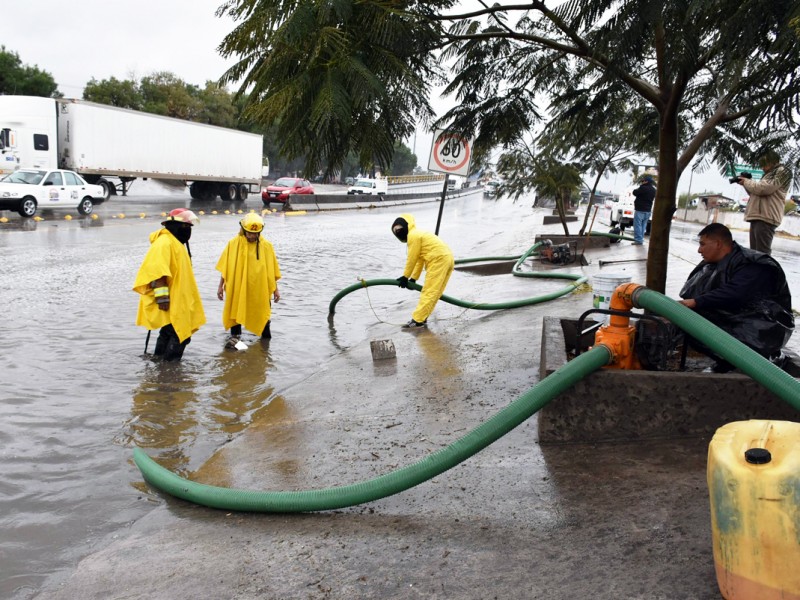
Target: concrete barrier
x: 616, y: 405
x: 734, y: 220
x: 327, y: 202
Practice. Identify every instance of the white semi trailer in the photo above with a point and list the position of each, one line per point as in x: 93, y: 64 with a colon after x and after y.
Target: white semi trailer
x: 113, y: 146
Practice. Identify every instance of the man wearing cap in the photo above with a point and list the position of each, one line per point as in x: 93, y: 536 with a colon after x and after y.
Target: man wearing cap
x: 249, y: 275
x: 169, y: 298
x: 767, y: 201
x: 642, y: 207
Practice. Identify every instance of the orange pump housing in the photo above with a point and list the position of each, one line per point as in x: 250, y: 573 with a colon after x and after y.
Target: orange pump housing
x: 619, y: 335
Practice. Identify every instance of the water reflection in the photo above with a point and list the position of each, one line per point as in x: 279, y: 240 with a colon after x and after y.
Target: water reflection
x: 275, y: 442
x: 164, y: 414
x: 174, y: 409
x: 20, y: 225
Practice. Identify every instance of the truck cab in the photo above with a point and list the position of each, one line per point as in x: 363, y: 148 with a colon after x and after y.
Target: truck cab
x: 28, y: 133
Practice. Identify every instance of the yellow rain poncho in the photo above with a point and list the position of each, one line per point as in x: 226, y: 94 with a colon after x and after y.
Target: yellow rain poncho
x: 426, y: 250
x: 251, y: 272
x: 168, y: 257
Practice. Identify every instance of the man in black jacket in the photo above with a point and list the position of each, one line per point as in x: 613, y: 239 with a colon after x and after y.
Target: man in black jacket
x: 642, y: 207
x: 742, y: 291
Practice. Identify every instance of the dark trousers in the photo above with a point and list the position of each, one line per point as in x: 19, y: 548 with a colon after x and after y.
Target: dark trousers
x: 236, y: 331
x: 761, y: 234
x: 168, y: 346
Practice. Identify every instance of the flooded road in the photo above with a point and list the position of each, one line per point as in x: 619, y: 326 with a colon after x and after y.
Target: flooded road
x: 78, y: 392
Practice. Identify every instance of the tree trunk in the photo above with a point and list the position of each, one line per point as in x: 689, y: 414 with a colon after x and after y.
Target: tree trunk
x: 664, y: 206
x: 561, y: 213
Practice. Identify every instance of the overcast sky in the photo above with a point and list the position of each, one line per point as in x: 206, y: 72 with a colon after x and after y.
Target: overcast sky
x: 79, y: 40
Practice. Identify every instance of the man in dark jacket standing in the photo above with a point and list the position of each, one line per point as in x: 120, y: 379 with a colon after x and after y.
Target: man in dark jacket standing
x: 642, y: 207
x: 742, y: 291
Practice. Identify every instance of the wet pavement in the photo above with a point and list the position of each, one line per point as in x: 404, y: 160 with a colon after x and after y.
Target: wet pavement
x: 311, y: 409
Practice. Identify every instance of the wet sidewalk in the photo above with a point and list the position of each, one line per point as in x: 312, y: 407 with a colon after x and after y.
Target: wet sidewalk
x: 517, y: 520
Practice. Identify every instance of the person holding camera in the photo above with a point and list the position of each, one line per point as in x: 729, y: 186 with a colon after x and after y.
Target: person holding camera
x: 767, y: 199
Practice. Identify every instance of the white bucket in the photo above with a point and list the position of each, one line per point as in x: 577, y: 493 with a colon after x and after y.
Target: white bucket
x: 603, y: 285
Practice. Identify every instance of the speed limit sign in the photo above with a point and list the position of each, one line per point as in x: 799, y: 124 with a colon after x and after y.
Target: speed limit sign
x: 450, y: 153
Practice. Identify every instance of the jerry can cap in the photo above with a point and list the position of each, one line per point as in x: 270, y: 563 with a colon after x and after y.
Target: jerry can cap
x: 757, y: 456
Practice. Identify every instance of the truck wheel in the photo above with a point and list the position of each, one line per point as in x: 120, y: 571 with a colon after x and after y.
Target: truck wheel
x: 244, y: 191
x: 109, y: 189
x: 229, y: 192
x: 27, y: 208
x: 203, y: 190
x: 86, y: 206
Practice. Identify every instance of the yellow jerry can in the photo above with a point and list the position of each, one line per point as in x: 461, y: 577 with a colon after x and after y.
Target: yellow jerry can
x: 754, y: 486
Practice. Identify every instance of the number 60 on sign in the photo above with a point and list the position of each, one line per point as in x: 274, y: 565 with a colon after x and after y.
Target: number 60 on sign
x: 450, y: 153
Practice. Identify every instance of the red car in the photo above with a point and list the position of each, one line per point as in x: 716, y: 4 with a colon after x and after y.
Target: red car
x: 283, y: 188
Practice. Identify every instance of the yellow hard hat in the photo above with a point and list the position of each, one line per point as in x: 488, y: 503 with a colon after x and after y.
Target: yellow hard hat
x: 252, y: 223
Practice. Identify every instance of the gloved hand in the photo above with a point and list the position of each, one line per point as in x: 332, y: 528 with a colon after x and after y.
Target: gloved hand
x: 402, y: 281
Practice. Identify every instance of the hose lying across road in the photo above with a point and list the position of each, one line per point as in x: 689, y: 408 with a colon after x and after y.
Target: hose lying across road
x: 525, y: 406
x: 385, y: 485
x: 576, y: 279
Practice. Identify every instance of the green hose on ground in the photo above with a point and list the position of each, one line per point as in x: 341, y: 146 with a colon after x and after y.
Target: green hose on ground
x: 577, y: 280
x: 386, y: 485
x: 776, y: 380
x: 364, y: 283
x: 613, y: 236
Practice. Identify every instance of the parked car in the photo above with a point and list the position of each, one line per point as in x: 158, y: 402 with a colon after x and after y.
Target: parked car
x: 25, y: 190
x: 285, y: 187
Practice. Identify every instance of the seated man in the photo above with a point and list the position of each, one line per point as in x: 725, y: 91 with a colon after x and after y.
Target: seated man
x: 743, y: 292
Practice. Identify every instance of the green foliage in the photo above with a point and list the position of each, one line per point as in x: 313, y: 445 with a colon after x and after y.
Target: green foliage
x: 24, y: 80
x: 165, y: 94
x: 334, y: 77
x: 123, y: 94
x: 403, y: 160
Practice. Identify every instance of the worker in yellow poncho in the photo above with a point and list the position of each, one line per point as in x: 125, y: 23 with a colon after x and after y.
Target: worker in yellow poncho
x: 169, y: 297
x: 249, y: 277
x: 425, y: 250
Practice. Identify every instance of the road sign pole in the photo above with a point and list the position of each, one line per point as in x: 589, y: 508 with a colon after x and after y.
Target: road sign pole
x: 441, y: 204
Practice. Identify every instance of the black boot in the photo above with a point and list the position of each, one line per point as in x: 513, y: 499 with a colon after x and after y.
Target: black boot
x: 266, y: 334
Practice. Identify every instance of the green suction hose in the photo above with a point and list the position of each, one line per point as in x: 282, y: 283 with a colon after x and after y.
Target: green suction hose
x: 577, y: 280
x: 386, y: 485
x: 613, y: 236
x: 735, y: 352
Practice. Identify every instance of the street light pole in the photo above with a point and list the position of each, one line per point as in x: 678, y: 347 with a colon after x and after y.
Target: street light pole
x: 689, y: 193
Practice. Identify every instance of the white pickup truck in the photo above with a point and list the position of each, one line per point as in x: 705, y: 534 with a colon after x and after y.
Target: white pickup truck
x: 618, y: 213
x: 369, y: 186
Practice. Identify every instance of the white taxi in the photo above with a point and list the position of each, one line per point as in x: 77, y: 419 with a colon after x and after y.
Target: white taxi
x: 26, y: 189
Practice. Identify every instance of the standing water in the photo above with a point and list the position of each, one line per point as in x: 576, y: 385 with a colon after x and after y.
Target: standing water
x: 78, y: 392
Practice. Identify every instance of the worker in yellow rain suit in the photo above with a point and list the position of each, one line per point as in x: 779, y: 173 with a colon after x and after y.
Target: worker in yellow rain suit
x: 249, y: 276
x: 425, y: 250
x: 169, y: 297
